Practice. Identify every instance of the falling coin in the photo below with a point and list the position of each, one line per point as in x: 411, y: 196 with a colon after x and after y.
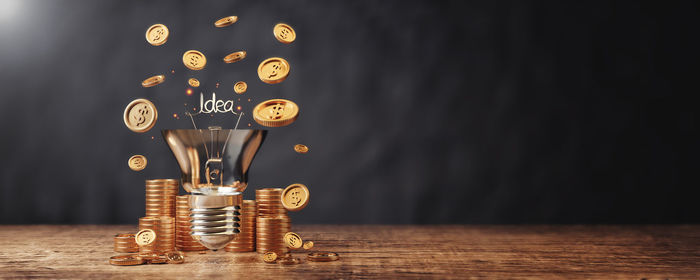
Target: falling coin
x: 153, y: 81
x: 308, y: 245
x: 140, y: 115
x: 235, y: 56
x: 131, y: 259
x: 292, y: 240
x: 145, y: 237
x: 269, y: 257
x: 300, y: 148
x: 137, y: 162
x: 193, y: 82
x: 157, y: 34
x: 223, y: 22
x: 273, y: 70
x: 276, y: 112
x: 194, y: 60
x: 284, y: 33
x: 323, y: 257
x: 295, y: 197
x: 240, y: 87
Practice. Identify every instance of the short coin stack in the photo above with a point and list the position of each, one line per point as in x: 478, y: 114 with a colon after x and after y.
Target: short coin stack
x: 272, y: 222
x: 160, y: 197
x: 183, y: 239
x: 245, y: 240
x: 125, y: 243
x: 164, y: 228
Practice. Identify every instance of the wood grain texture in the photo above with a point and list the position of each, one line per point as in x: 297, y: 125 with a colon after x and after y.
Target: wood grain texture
x: 601, y: 252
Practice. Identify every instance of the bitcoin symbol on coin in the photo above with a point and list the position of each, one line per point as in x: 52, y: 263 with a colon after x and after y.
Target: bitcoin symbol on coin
x: 159, y: 32
x: 140, y: 115
x: 295, y: 197
x: 276, y: 111
x: 275, y: 67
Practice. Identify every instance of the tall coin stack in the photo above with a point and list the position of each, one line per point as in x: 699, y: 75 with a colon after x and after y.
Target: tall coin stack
x: 160, y: 197
x: 183, y: 239
x: 164, y: 227
x: 272, y: 221
x: 245, y: 240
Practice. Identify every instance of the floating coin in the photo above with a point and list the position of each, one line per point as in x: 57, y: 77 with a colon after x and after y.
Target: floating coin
x: 300, y: 148
x: 273, y: 70
x: 235, y: 56
x: 223, y: 22
x: 157, y: 34
x: 193, y: 82
x: 194, y: 60
x: 284, y: 33
x: 270, y: 257
x: 292, y: 240
x: 137, y: 162
x: 276, y: 112
x: 175, y: 257
x: 240, y: 87
x: 145, y: 237
x: 322, y: 257
x: 295, y: 197
x: 140, y: 115
x: 153, y: 81
x: 131, y: 259
x: 308, y: 245
x: 289, y: 261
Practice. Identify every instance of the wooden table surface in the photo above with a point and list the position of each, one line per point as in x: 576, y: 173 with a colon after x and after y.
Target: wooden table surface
x: 388, y: 252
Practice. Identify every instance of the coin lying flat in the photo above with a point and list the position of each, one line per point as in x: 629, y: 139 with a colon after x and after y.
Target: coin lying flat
x: 276, y: 112
x: 269, y: 257
x: 145, y: 237
x: 193, y: 82
x: 292, y: 240
x: 308, y: 245
x: 131, y: 259
x: 235, y: 56
x: 158, y: 259
x: 300, y: 148
x: 140, y: 115
x: 223, y: 22
x: 240, y: 87
x: 157, y: 34
x: 273, y: 70
x: 194, y: 60
x: 323, y: 257
x: 137, y: 162
x: 284, y: 33
x: 295, y: 197
x: 153, y: 81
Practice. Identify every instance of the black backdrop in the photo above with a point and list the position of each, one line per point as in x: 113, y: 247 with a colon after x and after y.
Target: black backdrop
x: 415, y: 112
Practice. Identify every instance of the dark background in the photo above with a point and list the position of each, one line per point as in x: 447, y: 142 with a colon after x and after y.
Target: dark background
x: 415, y: 112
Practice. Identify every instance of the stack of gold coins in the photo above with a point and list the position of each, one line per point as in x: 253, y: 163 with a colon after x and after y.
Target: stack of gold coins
x: 160, y: 197
x: 245, y: 240
x: 272, y: 221
x: 183, y: 239
x: 152, y: 224
x: 125, y: 243
x: 164, y: 227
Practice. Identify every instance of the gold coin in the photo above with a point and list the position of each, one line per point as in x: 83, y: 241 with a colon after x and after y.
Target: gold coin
x: 240, y: 87
x: 193, y: 82
x: 300, y: 148
x: 153, y: 81
x: 140, y: 115
x: 284, y: 33
x: 289, y: 261
x: 223, y: 22
x: 295, y: 197
x: 235, y: 56
x: 308, y: 245
x: 130, y: 259
x: 194, y: 60
x: 145, y: 237
x: 137, y: 162
x: 157, y: 259
x: 322, y: 257
x: 270, y: 257
x: 157, y: 34
x: 175, y: 257
x: 292, y: 240
x: 276, y: 112
x: 273, y: 70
